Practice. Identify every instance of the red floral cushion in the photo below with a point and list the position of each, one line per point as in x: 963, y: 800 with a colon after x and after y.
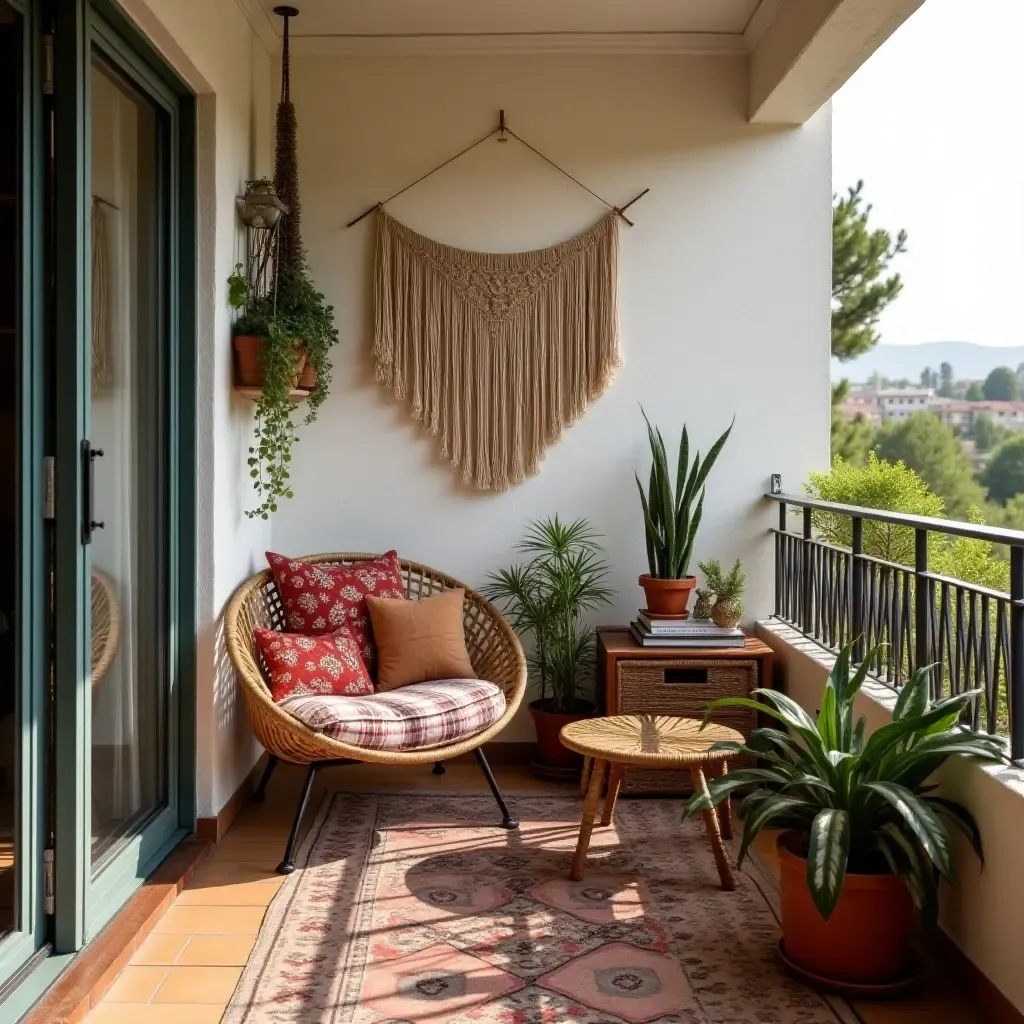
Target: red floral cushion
x: 319, y: 598
x: 304, y: 665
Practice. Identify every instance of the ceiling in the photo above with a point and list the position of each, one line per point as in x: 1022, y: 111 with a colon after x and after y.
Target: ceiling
x: 404, y: 18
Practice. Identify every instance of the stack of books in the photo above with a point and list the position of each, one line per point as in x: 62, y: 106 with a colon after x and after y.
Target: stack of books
x: 653, y: 632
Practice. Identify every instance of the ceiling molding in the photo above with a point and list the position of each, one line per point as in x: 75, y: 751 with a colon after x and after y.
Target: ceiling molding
x: 695, y: 43
x: 760, y: 22
x: 260, y: 22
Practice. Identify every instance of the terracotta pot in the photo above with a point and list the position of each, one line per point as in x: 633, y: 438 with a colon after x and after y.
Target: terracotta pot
x: 307, y: 379
x: 249, y: 361
x: 866, y: 940
x: 667, y: 597
x: 549, y: 724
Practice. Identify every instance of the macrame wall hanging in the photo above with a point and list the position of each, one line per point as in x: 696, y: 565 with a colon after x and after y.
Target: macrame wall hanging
x: 496, y: 353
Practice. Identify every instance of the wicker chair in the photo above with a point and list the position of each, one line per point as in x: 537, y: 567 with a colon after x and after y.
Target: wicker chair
x: 493, y: 649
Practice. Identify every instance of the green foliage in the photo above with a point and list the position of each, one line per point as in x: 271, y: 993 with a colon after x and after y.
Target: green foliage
x: 896, y: 488
x: 946, y: 380
x: 1010, y: 515
x: 238, y: 288
x: 1001, y: 385
x: 726, y: 586
x: 301, y: 318
x: 930, y: 378
x: 860, y: 258
x: 926, y: 445
x: 1004, y: 475
x: 670, y: 519
x: 974, y: 392
x: 852, y: 440
x: 986, y: 434
x: 861, y: 805
x: 546, y: 598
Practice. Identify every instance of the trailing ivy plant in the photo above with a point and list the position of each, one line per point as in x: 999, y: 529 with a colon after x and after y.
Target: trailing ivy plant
x: 300, y: 318
x: 865, y: 805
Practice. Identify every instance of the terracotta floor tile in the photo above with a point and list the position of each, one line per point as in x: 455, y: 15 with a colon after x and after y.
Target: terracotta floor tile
x: 217, y: 951
x: 230, y: 893
x: 214, y: 872
x: 156, y: 1013
x: 211, y: 920
x: 198, y: 985
x: 160, y: 949
x: 136, y: 984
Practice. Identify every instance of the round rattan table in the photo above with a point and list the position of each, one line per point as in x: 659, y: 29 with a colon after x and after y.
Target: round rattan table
x: 653, y: 741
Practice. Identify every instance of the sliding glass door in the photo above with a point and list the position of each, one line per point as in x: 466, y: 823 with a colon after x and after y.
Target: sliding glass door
x: 97, y: 383
x: 124, y: 399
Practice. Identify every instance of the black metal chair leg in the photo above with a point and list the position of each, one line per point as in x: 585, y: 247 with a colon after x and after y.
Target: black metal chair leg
x: 287, y: 866
x: 438, y: 769
x: 261, y: 790
x: 508, y: 820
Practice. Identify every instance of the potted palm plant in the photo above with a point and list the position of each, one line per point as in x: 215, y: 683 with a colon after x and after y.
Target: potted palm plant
x: 672, y: 513
x: 865, y: 836
x: 546, y: 599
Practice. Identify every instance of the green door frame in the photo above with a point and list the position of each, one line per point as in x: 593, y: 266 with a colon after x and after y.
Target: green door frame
x: 84, y: 904
x: 31, y: 613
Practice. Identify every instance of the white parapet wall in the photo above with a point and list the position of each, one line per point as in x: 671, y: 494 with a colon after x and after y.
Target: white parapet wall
x: 984, y: 913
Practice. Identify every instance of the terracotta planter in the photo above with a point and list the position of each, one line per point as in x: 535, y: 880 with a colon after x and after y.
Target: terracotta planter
x: 866, y: 940
x: 549, y: 724
x: 667, y: 597
x: 249, y: 361
x: 307, y: 379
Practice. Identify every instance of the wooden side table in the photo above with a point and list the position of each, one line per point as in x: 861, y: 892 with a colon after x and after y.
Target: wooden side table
x: 654, y: 742
x: 635, y: 680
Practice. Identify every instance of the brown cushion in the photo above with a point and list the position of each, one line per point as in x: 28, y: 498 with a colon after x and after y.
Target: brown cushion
x: 419, y: 641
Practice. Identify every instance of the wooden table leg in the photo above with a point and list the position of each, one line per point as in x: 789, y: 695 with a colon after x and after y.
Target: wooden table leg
x: 713, y: 829
x: 579, y: 859
x: 588, y: 764
x: 614, y: 782
x: 725, y: 807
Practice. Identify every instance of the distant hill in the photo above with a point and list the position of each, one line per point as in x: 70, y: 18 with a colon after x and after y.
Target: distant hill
x: 969, y: 362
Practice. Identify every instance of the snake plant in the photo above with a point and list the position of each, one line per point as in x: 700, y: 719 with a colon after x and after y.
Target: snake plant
x: 670, y: 518
x: 860, y: 805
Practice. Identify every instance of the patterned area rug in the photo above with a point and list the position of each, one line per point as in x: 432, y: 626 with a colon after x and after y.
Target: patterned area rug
x: 413, y: 909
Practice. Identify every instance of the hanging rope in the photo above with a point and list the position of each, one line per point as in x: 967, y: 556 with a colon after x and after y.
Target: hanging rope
x: 501, y: 130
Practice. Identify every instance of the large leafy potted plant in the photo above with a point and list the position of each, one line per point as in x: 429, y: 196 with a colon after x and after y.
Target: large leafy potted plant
x: 866, y: 837
x: 546, y: 599
x: 672, y: 514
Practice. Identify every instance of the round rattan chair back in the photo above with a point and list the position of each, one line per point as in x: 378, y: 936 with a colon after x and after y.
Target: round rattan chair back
x: 493, y: 649
x: 106, y: 625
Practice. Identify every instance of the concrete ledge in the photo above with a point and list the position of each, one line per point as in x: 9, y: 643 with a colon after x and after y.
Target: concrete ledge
x: 983, y: 916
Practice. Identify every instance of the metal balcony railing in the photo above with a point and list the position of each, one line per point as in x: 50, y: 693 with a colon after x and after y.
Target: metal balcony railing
x: 837, y: 594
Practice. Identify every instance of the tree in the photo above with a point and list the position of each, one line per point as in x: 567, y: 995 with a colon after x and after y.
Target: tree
x: 985, y: 433
x: 1001, y: 385
x: 929, y: 378
x: 895, y: 487
x: 1004, y: 475
x: 852, y: 440
x: 1020, y: 377
x: 927, y: 446
x: 974, y: 392
x: 946, y: 380
x: 860, y: 258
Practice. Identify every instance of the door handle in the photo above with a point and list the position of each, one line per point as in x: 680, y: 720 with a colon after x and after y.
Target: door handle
x: 89, y: 457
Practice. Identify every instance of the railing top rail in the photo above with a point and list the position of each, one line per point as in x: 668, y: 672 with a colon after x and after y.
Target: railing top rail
x: 973, y: 531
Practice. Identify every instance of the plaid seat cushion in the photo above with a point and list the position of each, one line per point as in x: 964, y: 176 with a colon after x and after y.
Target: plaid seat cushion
x: 415, y: 717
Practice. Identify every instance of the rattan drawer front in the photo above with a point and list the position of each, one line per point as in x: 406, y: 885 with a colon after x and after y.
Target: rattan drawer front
x: 682, y: 688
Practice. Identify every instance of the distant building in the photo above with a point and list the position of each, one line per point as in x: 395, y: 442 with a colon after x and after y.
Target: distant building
x: 954, y: 412
x: 900, y: 403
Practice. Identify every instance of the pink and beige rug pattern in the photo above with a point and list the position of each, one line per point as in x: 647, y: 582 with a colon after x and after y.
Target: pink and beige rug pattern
x: 414, y: 909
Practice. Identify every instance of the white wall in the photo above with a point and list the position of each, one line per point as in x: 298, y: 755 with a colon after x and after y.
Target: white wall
x: 724, y: 294
x: 984, y: 913
x: 213, y: 46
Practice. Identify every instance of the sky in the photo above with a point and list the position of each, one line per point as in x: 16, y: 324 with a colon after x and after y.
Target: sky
x: 934, y: 125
